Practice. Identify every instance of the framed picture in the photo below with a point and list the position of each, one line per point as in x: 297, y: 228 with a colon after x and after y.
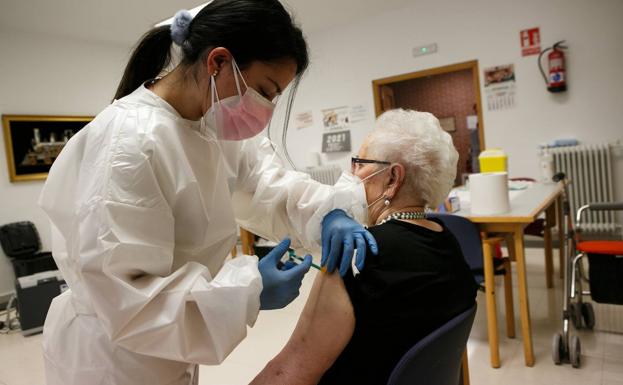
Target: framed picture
x: 447, y: 124
x: 33, y: 142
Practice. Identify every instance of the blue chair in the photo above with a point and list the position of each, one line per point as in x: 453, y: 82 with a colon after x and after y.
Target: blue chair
x: 436, y: 359
x: 478, y: 254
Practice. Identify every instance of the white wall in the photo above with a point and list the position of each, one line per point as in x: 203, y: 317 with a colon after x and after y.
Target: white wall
x: 46, y: 76
x: 345, y: 60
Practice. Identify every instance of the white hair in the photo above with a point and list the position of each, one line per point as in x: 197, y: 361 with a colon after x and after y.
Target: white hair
x: 417, y: 141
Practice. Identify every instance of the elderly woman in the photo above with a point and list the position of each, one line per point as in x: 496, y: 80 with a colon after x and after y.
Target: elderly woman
x: 356, y: 330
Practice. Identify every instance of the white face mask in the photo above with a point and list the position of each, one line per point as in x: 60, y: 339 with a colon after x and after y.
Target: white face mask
x: 370, y: 176
x: 350, y: 181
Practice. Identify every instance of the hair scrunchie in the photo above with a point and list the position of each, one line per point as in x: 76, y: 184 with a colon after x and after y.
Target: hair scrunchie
x: 179, y: 26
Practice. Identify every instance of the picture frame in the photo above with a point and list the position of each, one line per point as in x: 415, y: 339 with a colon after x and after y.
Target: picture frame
x: 33, y: 142
x: 448, y: 124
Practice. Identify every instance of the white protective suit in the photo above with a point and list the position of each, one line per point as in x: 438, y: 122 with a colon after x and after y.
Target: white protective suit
x: 143, y: 208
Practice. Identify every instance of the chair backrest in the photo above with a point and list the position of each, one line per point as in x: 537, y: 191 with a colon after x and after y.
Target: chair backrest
x: 468, y: 236
x: 20, y: 240
x: 436, y: 359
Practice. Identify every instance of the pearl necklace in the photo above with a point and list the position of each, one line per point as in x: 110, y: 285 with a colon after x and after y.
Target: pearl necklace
x: 404, y: 215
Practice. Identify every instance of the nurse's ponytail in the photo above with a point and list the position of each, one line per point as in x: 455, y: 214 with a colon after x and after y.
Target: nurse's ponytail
x: 252, y: 30
x: 150, y: 56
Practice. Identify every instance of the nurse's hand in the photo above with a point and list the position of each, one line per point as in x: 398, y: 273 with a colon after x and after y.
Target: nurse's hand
x: 340, y: 236
x: 280, y: 286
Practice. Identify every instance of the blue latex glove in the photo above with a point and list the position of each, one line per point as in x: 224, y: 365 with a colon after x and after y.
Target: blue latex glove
x: 340, y: 235
x: 281, y: 286
x: 287, y: 265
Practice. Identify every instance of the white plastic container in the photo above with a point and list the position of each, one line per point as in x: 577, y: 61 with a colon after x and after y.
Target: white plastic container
x: 546, y: 164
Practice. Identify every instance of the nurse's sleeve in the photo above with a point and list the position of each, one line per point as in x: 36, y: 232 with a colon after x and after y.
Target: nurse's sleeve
x: 123, y: 244
x: 275, y: 202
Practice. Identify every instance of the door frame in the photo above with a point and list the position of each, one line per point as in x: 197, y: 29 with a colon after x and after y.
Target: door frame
x: 471, y: 65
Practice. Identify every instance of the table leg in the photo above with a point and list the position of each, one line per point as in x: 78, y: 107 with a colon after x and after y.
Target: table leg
x: 510, y: 246
x: 492, y: 317
x: 524, y: 306
x: 550, y: 218
x: 247, y: 239
x: 465, y: 369
x: 508, y: 299
x: 561, y: 235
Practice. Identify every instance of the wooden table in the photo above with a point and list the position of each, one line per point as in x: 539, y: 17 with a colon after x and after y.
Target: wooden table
x: 526, y: 206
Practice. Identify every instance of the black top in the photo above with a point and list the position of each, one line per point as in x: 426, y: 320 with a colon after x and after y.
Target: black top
x: 417, y: 282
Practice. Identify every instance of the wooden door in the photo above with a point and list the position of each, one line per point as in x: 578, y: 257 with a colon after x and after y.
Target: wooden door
x: 388, y: 101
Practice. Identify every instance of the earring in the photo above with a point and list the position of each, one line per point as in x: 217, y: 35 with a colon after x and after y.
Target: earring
x: 387, y: 202
x: 215, y: 73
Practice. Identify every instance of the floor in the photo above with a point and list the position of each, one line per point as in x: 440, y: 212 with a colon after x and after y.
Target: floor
x: 602, y: 360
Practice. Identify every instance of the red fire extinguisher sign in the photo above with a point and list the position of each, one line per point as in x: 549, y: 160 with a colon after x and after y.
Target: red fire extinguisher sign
x: 530, y: 41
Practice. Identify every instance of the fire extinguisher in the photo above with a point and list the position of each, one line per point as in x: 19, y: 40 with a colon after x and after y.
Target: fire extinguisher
x: 556, y: 80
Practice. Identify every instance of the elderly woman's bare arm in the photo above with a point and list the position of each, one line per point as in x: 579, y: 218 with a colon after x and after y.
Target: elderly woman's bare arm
x: 323, y: 330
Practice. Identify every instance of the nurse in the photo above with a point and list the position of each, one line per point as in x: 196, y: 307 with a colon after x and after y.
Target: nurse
x: 144, y: 204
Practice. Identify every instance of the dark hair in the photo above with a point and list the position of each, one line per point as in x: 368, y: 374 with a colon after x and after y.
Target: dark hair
x: 250, y: 29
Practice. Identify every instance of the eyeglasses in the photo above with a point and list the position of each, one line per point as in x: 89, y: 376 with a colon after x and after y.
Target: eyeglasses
x: 356, y: 162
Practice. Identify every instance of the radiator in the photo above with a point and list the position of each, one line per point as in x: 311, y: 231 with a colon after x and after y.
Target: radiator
x: 325, y: 174
x: 589, y: 168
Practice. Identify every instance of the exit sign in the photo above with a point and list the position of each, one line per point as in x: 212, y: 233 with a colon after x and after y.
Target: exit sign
x: 424, y: 49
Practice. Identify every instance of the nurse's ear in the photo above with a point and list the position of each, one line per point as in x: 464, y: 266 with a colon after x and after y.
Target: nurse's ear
x: 396, y: 178
x: 218, y: 59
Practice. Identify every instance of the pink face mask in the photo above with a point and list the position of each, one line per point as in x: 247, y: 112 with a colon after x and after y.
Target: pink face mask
x: 240, y: 116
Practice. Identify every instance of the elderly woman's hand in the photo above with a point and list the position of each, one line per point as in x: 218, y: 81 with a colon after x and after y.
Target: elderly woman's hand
x: 340, y: 236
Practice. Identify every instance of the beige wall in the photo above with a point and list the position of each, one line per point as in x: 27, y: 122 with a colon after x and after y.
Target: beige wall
x: 345, y: 60
x: 46, y: 76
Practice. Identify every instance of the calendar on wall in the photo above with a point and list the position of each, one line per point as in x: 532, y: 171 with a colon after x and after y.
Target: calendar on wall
x: 336, y: 141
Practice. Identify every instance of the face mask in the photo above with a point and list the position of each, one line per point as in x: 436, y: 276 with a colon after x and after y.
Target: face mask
x: 370, y: 176
x: 350, y: 181
x: 240, y: 116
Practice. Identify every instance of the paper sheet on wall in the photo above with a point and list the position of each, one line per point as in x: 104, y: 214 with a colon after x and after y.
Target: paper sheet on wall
x: 500, y: 87
x: 472, y: 122
x: 303, y: 119
x: 448, y: 124
x: 337, y: 118
x: 358, y: 113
